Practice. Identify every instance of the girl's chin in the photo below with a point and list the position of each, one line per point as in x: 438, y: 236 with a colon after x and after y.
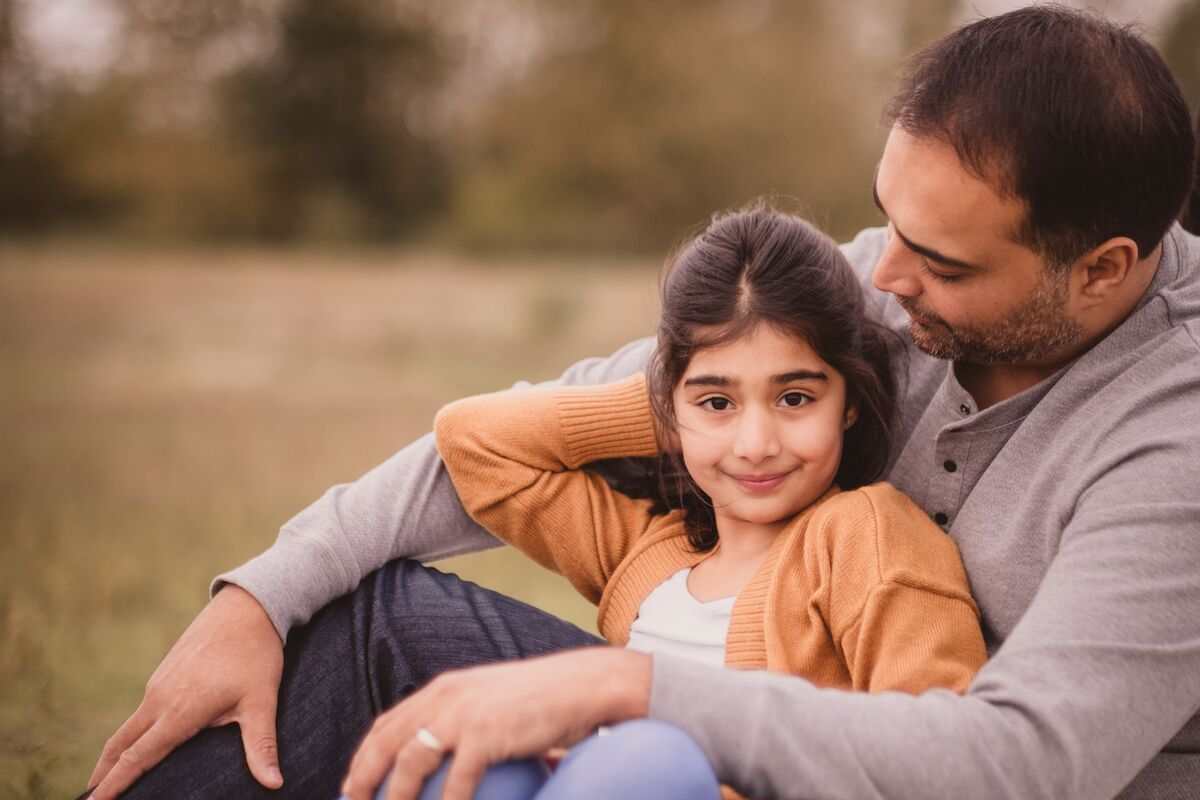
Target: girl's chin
x: 761, y: 516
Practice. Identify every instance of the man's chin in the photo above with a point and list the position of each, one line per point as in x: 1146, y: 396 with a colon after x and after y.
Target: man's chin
x: 931, y: 345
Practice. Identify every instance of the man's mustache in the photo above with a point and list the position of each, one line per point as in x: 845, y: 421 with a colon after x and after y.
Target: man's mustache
x: 916, y: 311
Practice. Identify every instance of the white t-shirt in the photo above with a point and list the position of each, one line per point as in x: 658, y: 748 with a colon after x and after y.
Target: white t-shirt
x: 673, y: 622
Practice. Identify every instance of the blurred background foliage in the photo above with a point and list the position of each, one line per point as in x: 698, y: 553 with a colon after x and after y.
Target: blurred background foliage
x: 598, y: 124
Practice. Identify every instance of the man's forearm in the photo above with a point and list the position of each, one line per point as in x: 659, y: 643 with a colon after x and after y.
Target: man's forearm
x: 405, y: 507
x: 1059, y: 712
x: 771, y: 735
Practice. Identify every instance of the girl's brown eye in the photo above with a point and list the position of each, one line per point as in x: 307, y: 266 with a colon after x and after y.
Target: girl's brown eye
x: 795, y: 399
x: 716, y: 403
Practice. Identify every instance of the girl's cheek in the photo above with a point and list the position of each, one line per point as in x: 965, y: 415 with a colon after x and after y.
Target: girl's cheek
x: 694, y: 449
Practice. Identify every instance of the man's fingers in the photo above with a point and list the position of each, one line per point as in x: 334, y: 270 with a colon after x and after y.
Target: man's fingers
x: 139, y: 757
x: 374, y: 757
x: 258, y: 740
x: 467, y: 767
x: 414, y: 763
x: 126, y: 735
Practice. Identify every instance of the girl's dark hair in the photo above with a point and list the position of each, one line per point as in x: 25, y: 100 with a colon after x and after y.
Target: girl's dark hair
x: 761, y: 266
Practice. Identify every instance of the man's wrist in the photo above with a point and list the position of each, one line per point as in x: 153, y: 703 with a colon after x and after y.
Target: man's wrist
x: 624, y: 678
x: 245, y: 606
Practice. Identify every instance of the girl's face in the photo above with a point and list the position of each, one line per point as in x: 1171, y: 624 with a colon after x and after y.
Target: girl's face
x: 761, y: 420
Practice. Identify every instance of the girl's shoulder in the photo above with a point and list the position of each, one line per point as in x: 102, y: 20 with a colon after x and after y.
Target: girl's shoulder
x: 876, y: 504
x: 882, y: 524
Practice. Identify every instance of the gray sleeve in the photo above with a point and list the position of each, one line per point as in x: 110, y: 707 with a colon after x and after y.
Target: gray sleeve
x: 1097, y: 677
x: 405, y: 507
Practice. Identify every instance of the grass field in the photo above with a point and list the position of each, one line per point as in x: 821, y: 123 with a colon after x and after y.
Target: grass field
x: 163, y: 412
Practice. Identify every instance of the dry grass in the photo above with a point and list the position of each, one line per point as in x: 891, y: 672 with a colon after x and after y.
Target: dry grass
x: 162, y: 413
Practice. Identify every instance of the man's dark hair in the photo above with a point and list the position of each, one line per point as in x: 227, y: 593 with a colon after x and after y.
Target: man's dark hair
x: 1076, y: 116
x: 1191, y: 212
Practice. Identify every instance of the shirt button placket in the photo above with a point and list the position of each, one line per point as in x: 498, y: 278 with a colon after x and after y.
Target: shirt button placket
x: 949, y: 454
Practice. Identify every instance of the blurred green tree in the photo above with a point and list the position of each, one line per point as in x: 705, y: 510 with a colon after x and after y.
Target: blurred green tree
x: 36, y: 187
x: 334, y: 114
x: 644, y: 118
x: 1181, y: 47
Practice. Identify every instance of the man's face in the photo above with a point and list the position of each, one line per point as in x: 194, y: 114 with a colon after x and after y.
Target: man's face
x: 973, y: 293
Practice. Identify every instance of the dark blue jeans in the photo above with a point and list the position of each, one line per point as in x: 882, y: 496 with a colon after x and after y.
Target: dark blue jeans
x: 355, y: 659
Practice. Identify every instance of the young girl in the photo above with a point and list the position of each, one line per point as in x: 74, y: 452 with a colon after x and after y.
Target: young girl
x: 768, y: 546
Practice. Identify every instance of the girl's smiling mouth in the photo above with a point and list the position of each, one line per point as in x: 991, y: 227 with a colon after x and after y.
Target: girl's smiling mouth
x: 759, y: 484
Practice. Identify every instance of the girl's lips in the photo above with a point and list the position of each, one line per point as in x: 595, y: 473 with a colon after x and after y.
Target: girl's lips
x: 759, y: 484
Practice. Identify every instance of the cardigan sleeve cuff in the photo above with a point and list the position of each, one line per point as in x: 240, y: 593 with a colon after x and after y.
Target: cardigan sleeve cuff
x: 610, y: 421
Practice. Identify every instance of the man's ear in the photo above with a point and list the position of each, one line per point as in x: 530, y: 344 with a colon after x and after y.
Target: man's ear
x: 1102, y: 272
x: 851, y: 417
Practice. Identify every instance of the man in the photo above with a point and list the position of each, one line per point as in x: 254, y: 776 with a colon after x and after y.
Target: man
x: 1050, y: 423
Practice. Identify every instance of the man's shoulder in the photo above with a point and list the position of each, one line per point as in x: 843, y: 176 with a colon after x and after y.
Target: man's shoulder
x: 1154, y: 355
x: 1179, y: 288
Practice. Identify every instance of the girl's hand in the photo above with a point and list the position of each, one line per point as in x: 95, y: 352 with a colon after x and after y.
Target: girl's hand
x: 490, y: 714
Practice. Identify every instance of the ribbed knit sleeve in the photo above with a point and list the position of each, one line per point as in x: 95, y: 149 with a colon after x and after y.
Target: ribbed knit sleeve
x: 514, y: 458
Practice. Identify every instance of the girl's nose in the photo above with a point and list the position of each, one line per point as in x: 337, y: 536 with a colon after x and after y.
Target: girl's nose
x: 895, y: 272
x: 757, y: 440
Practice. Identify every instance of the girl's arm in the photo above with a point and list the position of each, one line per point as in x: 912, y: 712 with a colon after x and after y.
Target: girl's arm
x: 899, y: 606
x: 515, y: 458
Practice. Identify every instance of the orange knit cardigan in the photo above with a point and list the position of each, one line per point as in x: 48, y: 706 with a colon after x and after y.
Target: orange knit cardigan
x: 863, y: 591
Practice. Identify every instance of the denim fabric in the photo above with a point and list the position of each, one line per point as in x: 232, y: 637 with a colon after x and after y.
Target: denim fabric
x: 357, y: 657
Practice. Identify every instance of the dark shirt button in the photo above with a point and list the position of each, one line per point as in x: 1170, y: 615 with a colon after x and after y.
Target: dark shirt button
x: 950, y: 466
x: 964, y: 408
x: 940, y: 518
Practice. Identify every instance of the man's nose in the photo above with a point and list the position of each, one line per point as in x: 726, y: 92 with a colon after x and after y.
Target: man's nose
x: 757, y: 437
x: 896, y: 270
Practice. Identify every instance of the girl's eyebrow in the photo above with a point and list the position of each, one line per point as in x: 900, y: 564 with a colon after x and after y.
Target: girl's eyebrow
x: 800, y: 375
x: 709, y: 380
x: 784, y: 377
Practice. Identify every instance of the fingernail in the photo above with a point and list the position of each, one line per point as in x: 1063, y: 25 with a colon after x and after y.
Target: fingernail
x: 274, y: 774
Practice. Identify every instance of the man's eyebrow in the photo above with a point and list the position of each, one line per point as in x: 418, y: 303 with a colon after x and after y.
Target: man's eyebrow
x: 928, y: 252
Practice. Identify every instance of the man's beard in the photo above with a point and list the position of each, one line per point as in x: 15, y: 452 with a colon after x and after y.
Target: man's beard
x: 1037, y: 330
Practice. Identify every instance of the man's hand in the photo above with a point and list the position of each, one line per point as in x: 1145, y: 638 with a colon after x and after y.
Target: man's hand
x: 226, y: 667
x: 489, y: 714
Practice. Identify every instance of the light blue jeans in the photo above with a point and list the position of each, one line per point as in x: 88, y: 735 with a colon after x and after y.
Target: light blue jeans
x: 634, y: 760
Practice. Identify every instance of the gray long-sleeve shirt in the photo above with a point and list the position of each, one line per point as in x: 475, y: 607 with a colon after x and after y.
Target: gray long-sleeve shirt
x: 1076, y: 507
